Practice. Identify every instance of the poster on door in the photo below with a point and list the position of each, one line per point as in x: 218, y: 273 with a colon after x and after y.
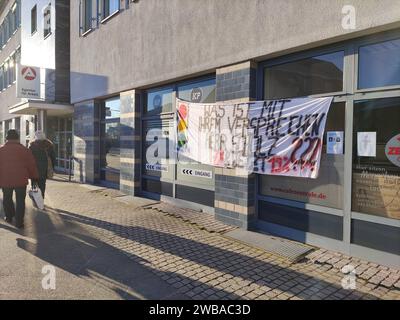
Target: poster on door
x: 278, y: 137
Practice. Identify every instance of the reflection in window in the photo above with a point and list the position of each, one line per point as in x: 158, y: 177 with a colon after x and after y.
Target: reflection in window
x: 1, y: 133
x: 159, y: 101
x: 157, y: 146
x: 379, y: 65
x: 110, y: 7
x: 376, y: 178
x: 87, y: 15
x: 112, y: 108
x: 34, y: 19
x: 316, y: 75
x: 327, y: 189
x: 47, y: 21
x: 110, y: 140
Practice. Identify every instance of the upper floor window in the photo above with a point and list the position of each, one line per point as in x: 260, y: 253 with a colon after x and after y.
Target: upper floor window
x: 1, y: 78
x: 47, y: 21
x: 379, y: 65
x: 86, y: 11
x: 7, y: 34
x: 17, y: 10
x: 2, y: 42
x: 110, y: 7
x: 310, y: 76
x: 34, y: 19
x: 10, y: 24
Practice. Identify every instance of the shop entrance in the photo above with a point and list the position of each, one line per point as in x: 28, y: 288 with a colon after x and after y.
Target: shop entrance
x: 60, y: 133
x: 167, y: 177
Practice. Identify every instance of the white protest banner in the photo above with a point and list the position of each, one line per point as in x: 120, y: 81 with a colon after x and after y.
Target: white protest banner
x: 213, y: 134
x: 279, y: 137
x: 288, y: 135
x: 28, y: 82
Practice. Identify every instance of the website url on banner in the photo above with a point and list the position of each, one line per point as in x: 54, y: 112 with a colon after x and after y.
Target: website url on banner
x: 301, y: 193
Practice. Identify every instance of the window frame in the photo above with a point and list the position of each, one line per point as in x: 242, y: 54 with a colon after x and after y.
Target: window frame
x: 298, y: 57
x: 103, y: 123
x: 85, y: 19
x: 105, y: 17
x: 49, y: 30
x: 171, y: 116
x: 375, y: 39
x: 351, y: 95
x: 34, y: 10
x: 2, y: 77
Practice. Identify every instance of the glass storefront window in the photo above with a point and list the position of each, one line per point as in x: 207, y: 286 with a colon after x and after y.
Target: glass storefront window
x: 379, y: 65
x: 159, y: 101
x: 200, y: 92
x: 60, y: 134
x: 316, y: 75
x: 158, y: 134
x: 112, y: 109
x: 376, y: 157
x: 110, y: 140
x: 17, y: 125
x: 327, y: 189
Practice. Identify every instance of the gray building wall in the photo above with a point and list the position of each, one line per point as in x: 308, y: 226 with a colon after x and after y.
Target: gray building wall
x: 156, y: 41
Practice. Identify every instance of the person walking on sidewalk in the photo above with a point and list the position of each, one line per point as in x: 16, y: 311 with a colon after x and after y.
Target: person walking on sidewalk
x: 43, y: 151
x: 17, y: 165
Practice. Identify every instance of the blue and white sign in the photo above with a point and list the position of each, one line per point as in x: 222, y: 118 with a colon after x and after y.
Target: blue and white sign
x: 334, y: 142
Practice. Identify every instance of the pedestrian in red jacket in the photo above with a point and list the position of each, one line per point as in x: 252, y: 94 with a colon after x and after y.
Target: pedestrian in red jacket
x: 17, y: 165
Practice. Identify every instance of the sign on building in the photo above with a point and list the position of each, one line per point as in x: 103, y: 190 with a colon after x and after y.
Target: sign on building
x: 28, y: 82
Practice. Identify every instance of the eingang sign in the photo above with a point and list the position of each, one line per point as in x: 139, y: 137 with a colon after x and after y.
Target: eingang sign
x: 28, y: 82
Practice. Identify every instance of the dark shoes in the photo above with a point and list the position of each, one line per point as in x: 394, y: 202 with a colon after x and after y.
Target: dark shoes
x: 7, y: 220
x: 19, y: 225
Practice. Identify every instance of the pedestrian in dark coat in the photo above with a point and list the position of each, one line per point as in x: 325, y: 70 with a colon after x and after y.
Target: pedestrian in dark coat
x: 17, y: 165
x: 43, y: 151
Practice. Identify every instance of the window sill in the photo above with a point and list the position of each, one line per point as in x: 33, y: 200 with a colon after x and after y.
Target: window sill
x: 110, y: 16
x: 87, y: 32
x: 48, y: 35
x: 33, y: 33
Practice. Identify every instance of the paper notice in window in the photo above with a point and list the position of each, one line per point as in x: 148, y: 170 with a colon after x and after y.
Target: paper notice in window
x: 366, y: 144
x: 334, y: 144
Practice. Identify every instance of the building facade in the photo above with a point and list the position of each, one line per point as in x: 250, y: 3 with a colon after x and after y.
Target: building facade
x: 131, y: 59
x: 10, y: 56
x: 36, y: 34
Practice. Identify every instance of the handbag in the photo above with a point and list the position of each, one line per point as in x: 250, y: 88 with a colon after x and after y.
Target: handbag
x: 37, y: 198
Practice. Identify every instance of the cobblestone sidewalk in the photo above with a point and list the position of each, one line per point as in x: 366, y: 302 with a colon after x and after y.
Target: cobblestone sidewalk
x: 198, y: 263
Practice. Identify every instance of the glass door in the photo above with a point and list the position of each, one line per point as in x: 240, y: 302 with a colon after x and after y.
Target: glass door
x: 60, y: 133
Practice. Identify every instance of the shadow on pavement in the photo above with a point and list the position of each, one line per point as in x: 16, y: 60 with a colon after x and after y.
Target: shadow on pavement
x: 62, y: 243
x: 224, y: 261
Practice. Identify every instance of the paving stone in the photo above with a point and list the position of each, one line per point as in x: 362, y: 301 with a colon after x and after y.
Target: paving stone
x: 201, y: 263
